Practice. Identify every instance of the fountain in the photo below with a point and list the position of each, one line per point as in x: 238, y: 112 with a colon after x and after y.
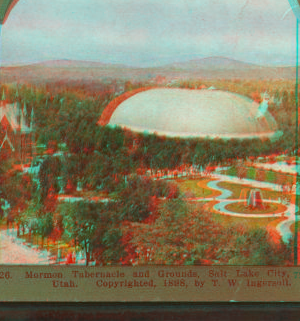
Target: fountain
x: 244, y: 195
x: 255, y: 199
x: 252, y: 198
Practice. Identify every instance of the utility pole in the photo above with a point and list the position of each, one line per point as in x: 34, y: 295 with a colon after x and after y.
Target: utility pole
x: 296, y: 148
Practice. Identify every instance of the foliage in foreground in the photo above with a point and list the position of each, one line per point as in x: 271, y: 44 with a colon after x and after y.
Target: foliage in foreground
x: 186, y: 234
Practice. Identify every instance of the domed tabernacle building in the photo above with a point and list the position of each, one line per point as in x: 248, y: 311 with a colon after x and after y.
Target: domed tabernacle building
x: 191, y: 113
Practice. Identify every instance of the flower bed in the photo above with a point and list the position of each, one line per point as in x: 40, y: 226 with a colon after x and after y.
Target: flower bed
x: 269, y: 208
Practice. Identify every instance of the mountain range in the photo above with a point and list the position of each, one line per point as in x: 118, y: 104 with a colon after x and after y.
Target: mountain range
x: 205, y: 68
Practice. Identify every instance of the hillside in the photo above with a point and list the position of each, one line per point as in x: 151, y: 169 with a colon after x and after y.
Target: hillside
x: 207, y: 68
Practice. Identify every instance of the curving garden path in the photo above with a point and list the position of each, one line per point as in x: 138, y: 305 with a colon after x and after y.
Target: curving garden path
x: 247, y: 181
x: 283, y: 227
x: 224, y: 199
x: 221, y: 208
x: 225, y: 193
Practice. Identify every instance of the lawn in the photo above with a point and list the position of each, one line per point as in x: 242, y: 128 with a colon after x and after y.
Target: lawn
x: 262, y: 174
x: 266, y: 194
x: 247, y: 223
x: 196, y: 187
x: 229, y: 221
x: 269, y: 208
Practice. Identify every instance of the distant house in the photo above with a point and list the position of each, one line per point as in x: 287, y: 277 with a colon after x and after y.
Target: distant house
x: 265, y: 96
x: 263, y: 107
x: 275, y: 100
x: 16, y: 131
x: 174, y: 82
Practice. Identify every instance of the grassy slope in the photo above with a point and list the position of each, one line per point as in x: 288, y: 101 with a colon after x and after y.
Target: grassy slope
x: 198, y: 187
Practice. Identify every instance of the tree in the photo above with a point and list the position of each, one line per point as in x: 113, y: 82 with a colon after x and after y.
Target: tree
x: 80, y: 224
x: 45, y: 226
x: 135, y: 199
x: 29, y: 217
x: 49, y: 171
x: 114, y: 249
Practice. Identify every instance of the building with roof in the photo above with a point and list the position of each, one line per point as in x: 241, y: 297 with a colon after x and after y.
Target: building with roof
x: 16, y: 130
x: 193, y: 113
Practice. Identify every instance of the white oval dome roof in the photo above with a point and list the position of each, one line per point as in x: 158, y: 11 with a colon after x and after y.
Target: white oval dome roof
x: 184, y: 112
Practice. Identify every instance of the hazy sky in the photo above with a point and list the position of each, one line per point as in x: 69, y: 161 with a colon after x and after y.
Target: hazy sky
x: 149, y: 32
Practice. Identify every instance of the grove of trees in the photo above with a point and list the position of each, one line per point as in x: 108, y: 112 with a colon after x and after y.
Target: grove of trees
x: 116, y: 160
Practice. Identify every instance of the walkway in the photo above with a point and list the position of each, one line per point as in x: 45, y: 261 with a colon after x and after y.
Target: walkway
x: 225, y: 193
x: 221, y: 207
x: 250, y: 182
x: 14, y: 251
x: 283, y: 227
x: 279, y: 167
x: 74, y: 199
